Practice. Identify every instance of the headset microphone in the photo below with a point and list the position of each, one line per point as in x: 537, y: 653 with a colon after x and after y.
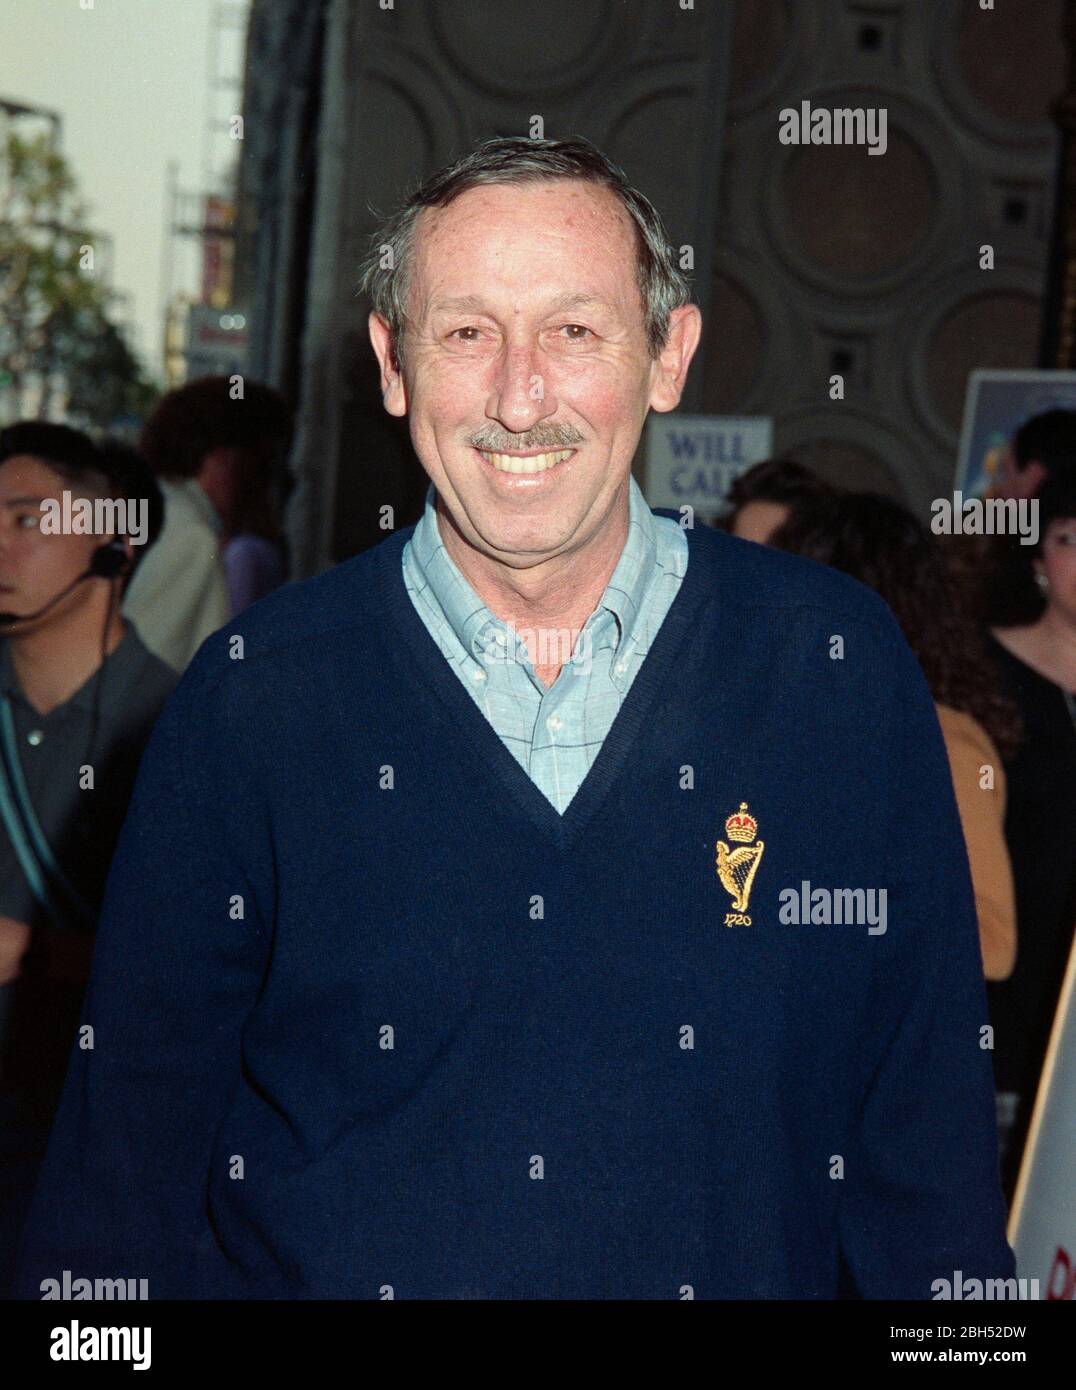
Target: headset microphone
x: 107, y: 562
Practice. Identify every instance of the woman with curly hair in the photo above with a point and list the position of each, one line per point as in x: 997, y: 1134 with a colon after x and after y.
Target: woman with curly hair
x: 880, y: 543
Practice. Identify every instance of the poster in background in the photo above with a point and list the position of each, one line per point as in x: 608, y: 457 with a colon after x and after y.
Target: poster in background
x: 996, y: 405
x: 692, y: 460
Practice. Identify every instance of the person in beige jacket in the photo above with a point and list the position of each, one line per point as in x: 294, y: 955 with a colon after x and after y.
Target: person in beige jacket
x: 208, y: 446
x: 880, y: 543
x: 979, y: 783
x: 178, y: 595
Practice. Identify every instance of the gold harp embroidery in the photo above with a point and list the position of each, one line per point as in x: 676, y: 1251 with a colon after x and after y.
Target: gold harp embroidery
x: 736, y: 868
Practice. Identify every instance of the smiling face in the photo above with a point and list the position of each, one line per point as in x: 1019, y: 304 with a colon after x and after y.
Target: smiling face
x: 526, y: 376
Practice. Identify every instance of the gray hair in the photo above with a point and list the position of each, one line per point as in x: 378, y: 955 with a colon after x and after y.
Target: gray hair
x: 386, y: 268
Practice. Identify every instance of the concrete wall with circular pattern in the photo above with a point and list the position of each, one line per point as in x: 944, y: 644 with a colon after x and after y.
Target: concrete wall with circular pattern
x: 833, y: 261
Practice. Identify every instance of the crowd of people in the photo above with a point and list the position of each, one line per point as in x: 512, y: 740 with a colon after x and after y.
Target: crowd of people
x: 97, y: 629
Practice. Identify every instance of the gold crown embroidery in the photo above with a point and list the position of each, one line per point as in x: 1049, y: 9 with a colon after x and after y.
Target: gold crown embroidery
x: 736, y: 868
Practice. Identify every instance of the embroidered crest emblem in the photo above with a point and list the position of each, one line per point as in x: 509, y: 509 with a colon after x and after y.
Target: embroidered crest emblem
x: 736, y: 868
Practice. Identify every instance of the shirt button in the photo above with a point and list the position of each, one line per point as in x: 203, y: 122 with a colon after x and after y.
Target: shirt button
x: 478, y: 674
x: 553, y: 723
x: 620, y: 668
x: 34, y: 737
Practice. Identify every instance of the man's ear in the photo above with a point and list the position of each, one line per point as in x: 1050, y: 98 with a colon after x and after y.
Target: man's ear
x: 669, y: 372
x: 393, y: 391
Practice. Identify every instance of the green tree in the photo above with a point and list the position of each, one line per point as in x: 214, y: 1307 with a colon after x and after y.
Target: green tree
x: 57, y: 326
x: 103, y: 377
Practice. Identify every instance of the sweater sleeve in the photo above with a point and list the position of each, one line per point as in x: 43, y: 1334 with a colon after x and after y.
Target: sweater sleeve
x: 922, y: 1197
x: 121, y: 1193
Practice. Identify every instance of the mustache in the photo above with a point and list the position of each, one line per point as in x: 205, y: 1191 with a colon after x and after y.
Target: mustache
x: 551, y: 437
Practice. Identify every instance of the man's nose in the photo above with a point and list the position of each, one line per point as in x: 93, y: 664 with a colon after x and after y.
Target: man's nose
x: 521, y: 394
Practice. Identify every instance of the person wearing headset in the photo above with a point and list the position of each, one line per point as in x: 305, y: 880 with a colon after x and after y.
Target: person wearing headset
x: 79, y: 693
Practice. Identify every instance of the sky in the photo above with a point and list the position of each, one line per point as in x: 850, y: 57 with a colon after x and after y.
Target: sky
x: 130, y: 79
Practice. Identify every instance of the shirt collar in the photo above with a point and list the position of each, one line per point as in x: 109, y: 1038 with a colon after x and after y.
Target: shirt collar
x: 626, y: 590
x: 471, y: 620
x: 120, y: 665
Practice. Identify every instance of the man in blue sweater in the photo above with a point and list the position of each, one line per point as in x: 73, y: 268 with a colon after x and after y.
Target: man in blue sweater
x: 556, y: 900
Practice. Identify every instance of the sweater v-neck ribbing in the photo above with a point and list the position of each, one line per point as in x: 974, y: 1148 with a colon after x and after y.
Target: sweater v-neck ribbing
x: 657, y: 669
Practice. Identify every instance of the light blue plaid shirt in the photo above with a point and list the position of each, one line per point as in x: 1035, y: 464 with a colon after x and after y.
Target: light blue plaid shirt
x: 554, y: 733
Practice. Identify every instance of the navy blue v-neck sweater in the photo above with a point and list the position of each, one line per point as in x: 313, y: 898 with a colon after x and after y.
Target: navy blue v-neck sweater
x: 370, y: 1019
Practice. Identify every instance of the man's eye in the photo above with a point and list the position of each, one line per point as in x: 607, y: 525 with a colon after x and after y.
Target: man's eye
x: 28, y: 521
x: 469, y: 328
x: 575, y: 332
